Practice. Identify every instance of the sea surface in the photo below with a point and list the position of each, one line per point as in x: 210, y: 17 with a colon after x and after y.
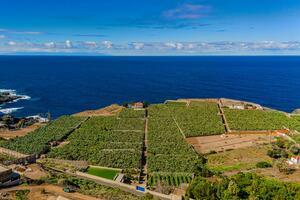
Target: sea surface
x: 65, y: 85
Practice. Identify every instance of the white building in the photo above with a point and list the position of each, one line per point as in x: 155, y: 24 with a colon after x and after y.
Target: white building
x: 294, y: 160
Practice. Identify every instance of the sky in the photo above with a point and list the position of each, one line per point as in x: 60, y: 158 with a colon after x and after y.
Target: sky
x: 150, y: 27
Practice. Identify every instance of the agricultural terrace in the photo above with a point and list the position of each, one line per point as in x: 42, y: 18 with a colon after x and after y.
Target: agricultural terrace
x: 258, y: 120
x: 169, y: 158
x: 38, y: 141
x: 131, y: 113
x: 105, y: 141
x: 198, y: 118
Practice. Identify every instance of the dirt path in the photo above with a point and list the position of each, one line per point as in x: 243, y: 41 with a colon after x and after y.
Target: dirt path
x: 227, y: 129
x: 37, y: 192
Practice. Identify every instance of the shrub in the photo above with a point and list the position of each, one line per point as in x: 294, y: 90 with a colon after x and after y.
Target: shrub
x: 263, y: 164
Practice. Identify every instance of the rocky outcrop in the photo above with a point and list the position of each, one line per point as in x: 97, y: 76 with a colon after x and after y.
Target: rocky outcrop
x: 6, y: 97
x: 12, y: 123
x: 297, y: 111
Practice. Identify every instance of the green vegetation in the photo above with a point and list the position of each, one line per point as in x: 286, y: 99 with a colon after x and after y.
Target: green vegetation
x: 259, y: 120
x: 169, y: 179
x: 238, y: 159
x: 103, y: 172
x: 263, y: 164
x: 198, y: 119
x: 91, y: 188
x: 171, y: 160
x: 22, y: 194
x: 4, y: 158
x: 97, y: 142
x: 242, y: 186
x: 131, y: 124
x: 131, y: 113
x: 39, y: 141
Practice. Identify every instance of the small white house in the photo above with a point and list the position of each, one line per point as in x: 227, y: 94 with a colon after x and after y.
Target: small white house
x: 294, y: 160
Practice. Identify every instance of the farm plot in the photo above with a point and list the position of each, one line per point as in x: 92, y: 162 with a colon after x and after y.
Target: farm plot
x: 198, y: 119
x: 239, y: 159
x: 97, y: 142
x: 39, y: 140
x: 216, y: 143
x: 257, y: 120
x: 170, y: 159
x: 131, y: 113
x: 159, y: 111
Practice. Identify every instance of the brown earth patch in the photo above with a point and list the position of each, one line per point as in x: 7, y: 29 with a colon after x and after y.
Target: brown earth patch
x: 35, y: 172
x: 48, y: 192
x: 274, y: 173
x: 111, y: 110
x: 219, y: 143
x: 8, y: 134
x: 239, y: 159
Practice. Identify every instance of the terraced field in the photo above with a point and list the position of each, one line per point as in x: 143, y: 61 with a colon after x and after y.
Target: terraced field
x: 38, y: 141
x: 198, y: 119
x: 170, y: 159
x: 259, y: 120
x: 106, y: 141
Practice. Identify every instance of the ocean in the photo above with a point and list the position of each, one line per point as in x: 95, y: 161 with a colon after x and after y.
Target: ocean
x: 69, y: 84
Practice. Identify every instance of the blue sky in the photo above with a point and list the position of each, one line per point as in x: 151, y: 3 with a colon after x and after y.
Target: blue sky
x: 150, y: 27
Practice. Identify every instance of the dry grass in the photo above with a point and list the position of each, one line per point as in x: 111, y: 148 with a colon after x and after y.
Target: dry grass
x: 239, y: 159
x: 111, y: 110
x: 220, y: 143
x: 7, y: 134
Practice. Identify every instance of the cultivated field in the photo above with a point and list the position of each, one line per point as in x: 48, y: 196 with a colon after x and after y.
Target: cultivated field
x: 170, y: 159
x: 207, y: 144
x: 198, y: 118
x: 38, y: 141
x: 106, y: 141
x: 257, y: 120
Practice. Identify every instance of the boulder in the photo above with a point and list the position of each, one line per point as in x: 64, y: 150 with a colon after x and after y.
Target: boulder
x: 297, y: 111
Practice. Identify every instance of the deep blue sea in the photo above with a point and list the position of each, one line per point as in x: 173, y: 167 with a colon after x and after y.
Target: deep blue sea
x: 66, y: 85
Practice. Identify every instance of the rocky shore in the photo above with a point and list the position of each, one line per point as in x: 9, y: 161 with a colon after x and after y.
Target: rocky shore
x: 6, y: 97
x: 9, y: 122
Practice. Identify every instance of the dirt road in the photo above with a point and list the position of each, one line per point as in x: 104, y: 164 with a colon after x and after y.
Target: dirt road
x: 49, y: 192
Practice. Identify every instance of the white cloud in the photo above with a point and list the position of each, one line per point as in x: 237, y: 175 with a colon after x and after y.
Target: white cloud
x: 107, y: 44
x: 68, y: 44
x: 90, y: 44
x: 138, y: 45
x: 173, y: 45
x: 50, y: 44
x: 157, y: 48
x: 12, y: 43
x: 187, y: 11
x: 2, y: 36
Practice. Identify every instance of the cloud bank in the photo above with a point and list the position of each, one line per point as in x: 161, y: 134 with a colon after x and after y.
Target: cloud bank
x: 153, y: 48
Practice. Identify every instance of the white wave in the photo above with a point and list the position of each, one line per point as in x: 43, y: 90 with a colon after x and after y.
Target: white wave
x: 14, y: 93
x: 10, y: 91
x: 39, y: 118
x: 22, y: 97
x: 10, y: 110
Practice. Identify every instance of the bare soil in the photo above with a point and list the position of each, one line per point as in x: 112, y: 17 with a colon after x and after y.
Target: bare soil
x: 36, y: 172
x: 274, y: 173
x: 111, y: 110
x: 239, y: 159
x: 48, y: 192
x: 219, y: 143
x: 8, y: 134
